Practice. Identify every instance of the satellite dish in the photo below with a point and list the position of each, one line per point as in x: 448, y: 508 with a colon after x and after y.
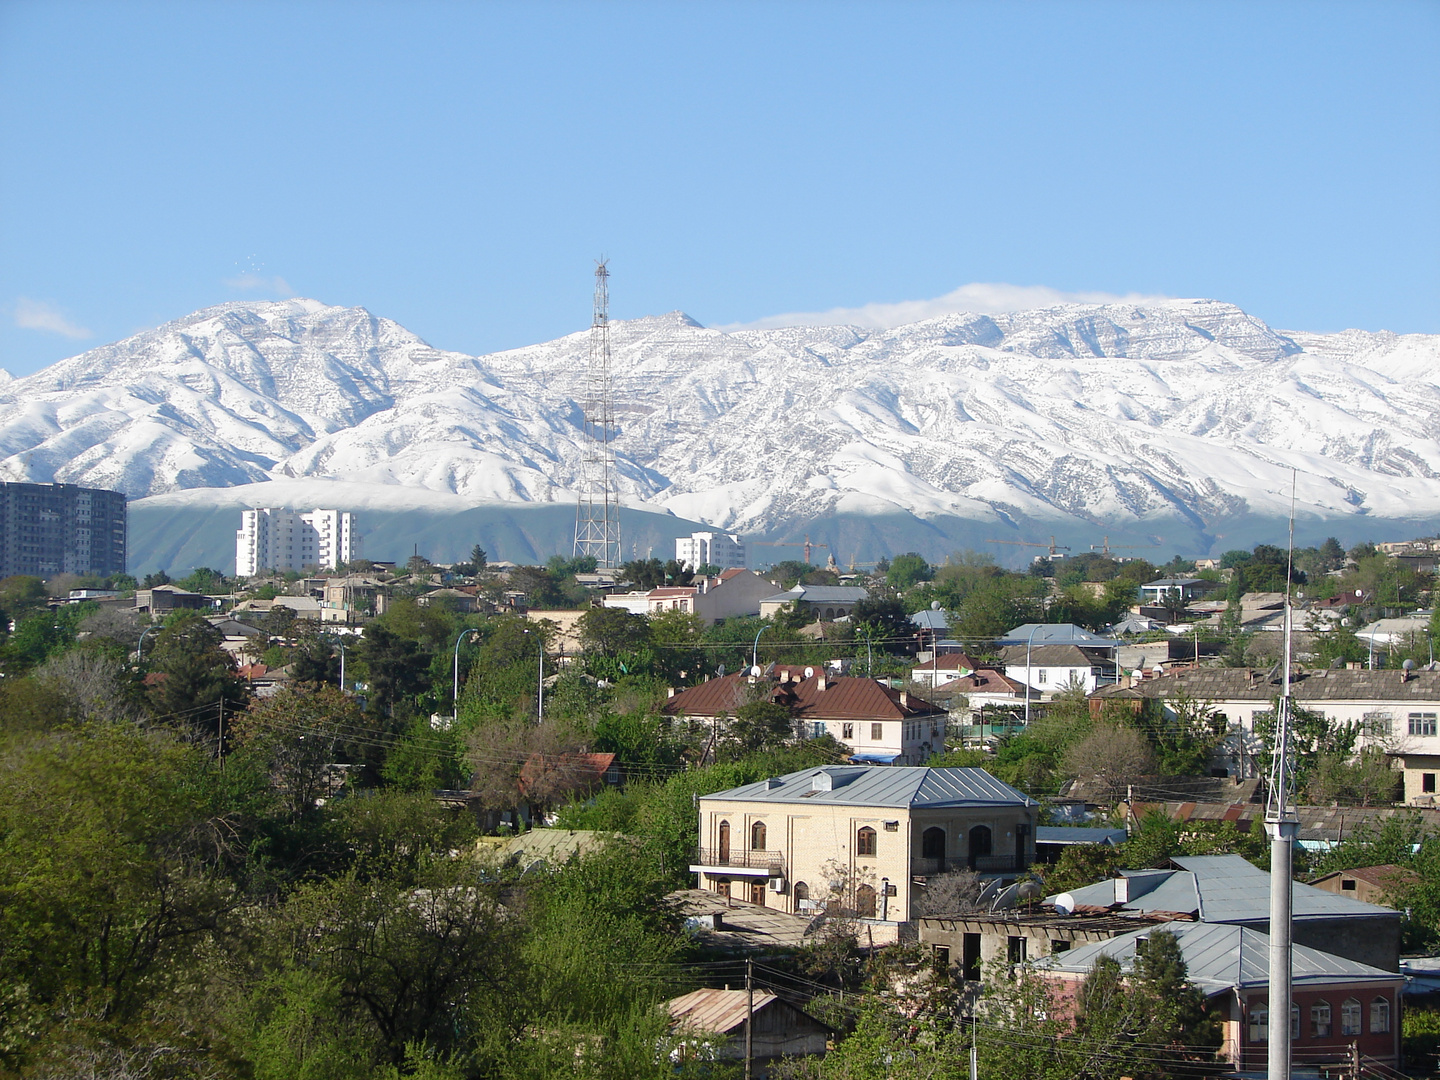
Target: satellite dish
x: 1064, y: 904
x: 720, y: 671
x: 1408, y: 665
x: 755, y: 671
x: 988, y: 892
x: 1008, y: 898
x: 1030, y: 889
x: 934, y: 605
x: 809, y: 673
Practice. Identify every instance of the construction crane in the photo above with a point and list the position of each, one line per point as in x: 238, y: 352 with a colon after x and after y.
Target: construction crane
x: 807, y: 545
x: 1052, y: 546
x: 1106, y: 547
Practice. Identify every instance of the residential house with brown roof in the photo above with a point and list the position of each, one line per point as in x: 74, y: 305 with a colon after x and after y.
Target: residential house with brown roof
x: 875, y: 721
x: 1051, y: 668
x: 710, y: 1023
x: 732, y: 594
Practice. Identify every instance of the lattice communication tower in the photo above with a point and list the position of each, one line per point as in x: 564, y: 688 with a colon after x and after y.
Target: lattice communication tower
x: 597, y: 518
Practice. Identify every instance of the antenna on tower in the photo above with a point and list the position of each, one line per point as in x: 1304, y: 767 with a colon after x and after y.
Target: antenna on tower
x: 597, y: 518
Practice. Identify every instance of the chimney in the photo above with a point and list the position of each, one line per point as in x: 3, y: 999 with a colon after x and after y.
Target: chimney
x: 904, y: 699
x: 820, y: 683
x: 1122, y: 890
x: 670, y: 691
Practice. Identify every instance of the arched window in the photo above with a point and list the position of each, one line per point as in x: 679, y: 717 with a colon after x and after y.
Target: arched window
x: 829, y: 613
x: 932, y: 843
x: 1379, y: 1016
x: 724, y: 842
x: 802, y: 892
x: 865, y: 902
x: 1350, y: 1017
x: 1320, y: 1025
x: 1259, y: 1023
x: 865, y: 841
x: 757, y: 836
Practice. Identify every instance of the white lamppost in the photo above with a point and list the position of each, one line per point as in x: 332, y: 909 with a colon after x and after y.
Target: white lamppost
x: 455, y: 695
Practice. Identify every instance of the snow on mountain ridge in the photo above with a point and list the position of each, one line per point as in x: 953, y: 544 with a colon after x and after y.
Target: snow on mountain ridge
x: 1197, y: 412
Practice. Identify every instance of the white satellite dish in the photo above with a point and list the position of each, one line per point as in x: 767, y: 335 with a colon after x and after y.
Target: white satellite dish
x: 1064, y: 904
x: 809, y: 673
x: 755, y: 671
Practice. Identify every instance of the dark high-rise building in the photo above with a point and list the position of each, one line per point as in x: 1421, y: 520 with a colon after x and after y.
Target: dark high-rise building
x: 48, y: 529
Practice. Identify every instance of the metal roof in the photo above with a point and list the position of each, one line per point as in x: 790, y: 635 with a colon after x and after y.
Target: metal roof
x: 1218, y: 889
x: 1055, y: 634
x: 821, y: 594
x: 1251, y: 684
x: 717, y: 1011
x: 881, y: 785
x: 1220, y: 957
x: 931, y: 620
x: 1063, y: 834
x: 844, y: 697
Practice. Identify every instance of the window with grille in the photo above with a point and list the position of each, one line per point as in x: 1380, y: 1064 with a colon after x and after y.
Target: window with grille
x: 1320, y: 1020
x: 1422, y: 723
x: 865, y: 841
x: 877, y: 732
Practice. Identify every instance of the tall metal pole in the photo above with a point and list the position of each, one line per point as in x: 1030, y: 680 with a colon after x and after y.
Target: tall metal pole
x: 1281, y: 825
x: 1028, y: 643
x: 597, y: 517
x: 749, y: 1020
x: 540, y: 684
x: 755, y: 648
x: 455, y: 693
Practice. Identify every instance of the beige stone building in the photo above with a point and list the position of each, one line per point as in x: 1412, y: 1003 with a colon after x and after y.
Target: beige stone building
x: 860, y: 840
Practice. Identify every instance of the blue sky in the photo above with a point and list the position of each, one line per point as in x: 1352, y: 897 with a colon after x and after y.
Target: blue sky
x: 457, y: 167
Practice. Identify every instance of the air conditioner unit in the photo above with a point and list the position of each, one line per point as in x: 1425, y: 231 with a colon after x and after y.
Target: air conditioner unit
x: 777, y: 884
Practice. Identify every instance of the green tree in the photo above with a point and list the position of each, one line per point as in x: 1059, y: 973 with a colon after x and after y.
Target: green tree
x: 755, y: 728
x: 397, y: 666
x: 906, y: 571
x: 192, y: 677
x: 609, y: 632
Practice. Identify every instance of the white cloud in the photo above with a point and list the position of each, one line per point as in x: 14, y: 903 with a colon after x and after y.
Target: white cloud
x: 250, y: 282
x: 980, y: 298
x: 47, y: 317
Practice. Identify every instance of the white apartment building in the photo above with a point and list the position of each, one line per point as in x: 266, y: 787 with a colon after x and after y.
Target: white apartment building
x: 278, y: 538
x: 715, y: 549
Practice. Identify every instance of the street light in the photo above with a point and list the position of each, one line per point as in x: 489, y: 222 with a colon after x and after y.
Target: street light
x: 755, y: 647
x: 140, y: 645
x: 455, y: 695
x: 1028, y: 643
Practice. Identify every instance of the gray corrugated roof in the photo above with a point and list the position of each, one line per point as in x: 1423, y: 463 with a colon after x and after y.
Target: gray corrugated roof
x: 882, y: 785
x: 1064, y: 834
x: 1219, y: 957
x: 1055, y: 634
x: 1219, y: 889
x: 931, y: 620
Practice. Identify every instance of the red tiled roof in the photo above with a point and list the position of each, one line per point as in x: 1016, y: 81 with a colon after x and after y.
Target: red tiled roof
x: 987, y: 679
x: 843, y: 698
x: 952, y: 661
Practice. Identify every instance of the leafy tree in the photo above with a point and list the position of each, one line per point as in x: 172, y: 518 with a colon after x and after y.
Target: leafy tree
x: 478, y: 559
x: 907, y: 570
x: 159, y: 577
x: 542, y: 588
x: 397, y: 667
x: 1313, y: 737
x: 609, y: 632
x: 1112, y: 758
x: 191, y: 676
x: 887, y: 620
x: 676, y: 637
x: 103, y: 889
x: 756, y: 727
x: 644, y: 574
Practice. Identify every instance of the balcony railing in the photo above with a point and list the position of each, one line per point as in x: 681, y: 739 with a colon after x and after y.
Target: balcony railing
x: 773, y: 861
x: 981, y: 864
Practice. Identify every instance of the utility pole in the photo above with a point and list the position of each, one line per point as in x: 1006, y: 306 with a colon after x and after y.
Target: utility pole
x: 749, y: 1018
x: 597, y: 517
x: 220, y: 745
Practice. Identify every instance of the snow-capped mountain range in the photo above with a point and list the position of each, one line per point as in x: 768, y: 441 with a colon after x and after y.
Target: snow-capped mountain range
x: 1174, y: 422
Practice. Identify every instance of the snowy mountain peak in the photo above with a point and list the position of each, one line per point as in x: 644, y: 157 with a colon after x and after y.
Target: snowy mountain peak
x: 1193, y: 419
